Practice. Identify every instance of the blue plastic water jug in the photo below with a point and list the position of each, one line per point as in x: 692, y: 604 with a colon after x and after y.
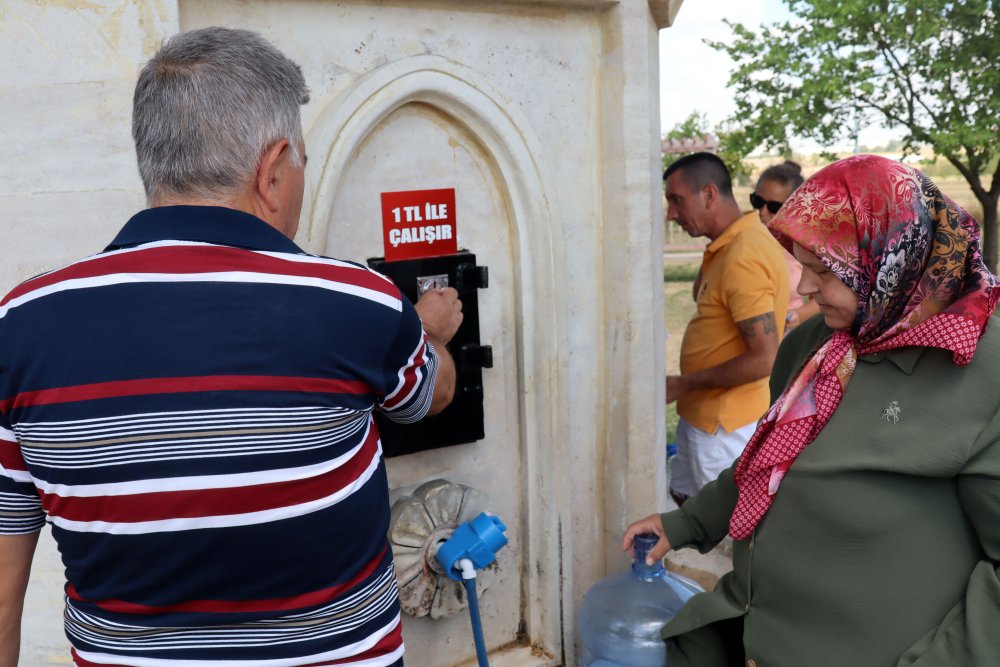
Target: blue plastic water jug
x: 621, y: 615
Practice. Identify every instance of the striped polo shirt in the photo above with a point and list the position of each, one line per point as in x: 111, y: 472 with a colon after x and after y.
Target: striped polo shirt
x: 192, y: 411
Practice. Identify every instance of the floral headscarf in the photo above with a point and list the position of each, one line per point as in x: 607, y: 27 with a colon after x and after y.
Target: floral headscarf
x: 913, y: 258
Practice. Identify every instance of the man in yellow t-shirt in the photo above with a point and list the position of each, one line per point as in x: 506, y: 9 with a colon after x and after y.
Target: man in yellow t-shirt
x: 730, y: 343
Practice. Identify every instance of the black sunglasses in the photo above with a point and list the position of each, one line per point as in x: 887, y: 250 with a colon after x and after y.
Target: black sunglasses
x: 759, y: 202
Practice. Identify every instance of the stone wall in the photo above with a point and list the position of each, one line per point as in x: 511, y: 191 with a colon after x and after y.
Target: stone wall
x: 543, y: 116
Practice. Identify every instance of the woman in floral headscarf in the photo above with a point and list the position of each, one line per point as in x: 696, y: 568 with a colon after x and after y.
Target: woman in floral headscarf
x: 865, y: 510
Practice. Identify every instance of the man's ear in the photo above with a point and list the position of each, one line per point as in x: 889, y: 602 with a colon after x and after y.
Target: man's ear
x: 269, y: 173
x: 710, y: 194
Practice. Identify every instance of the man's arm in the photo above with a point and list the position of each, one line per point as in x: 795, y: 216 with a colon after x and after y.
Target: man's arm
x: 799, y: 315
x: 440, y: 313
x: 444, y: 383
x: 16, y: 552
x: 760, y: 335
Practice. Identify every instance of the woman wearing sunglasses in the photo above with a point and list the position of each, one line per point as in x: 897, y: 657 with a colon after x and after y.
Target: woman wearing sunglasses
x: 865, y: 510
x: 775, y: 185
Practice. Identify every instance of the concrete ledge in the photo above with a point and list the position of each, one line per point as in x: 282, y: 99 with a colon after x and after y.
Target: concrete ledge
x: 516, y: 656
x: 706, y: 569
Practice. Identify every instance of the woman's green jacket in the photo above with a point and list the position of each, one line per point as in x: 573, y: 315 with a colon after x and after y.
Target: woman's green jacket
x: 882, y: 544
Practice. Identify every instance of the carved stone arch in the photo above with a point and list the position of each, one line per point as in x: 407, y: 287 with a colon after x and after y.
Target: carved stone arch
x: 539, y: 259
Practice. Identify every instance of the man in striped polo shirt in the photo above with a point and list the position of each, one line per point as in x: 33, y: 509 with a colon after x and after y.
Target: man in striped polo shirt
x: 191, y: 409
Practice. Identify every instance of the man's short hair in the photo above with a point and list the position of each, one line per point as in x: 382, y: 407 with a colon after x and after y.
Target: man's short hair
x: 206, y: 108
x: 700, y: 169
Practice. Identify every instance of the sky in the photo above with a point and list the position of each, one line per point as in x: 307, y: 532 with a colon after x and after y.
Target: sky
x: 693, y: 76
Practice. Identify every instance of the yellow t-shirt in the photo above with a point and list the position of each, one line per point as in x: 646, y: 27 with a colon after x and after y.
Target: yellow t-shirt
x: 743, y: 274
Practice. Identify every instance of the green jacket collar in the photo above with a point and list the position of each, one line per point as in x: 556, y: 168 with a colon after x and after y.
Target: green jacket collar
x: 905, y: 358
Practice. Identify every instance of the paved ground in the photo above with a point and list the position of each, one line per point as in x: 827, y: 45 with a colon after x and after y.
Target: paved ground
x: 682, y: 257
x: 43, y: 642
x: 703, y: 568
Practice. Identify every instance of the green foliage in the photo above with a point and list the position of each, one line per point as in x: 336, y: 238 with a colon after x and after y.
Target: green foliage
x: 926, y: 66
x: 680, y: 273
x: 672, y: 419
x: 697, y: 125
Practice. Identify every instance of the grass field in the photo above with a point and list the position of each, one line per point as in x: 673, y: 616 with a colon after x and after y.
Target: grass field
x: 678, y: 307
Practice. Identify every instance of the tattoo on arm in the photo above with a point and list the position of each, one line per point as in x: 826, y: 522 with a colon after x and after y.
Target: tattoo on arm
x: 767, y: 321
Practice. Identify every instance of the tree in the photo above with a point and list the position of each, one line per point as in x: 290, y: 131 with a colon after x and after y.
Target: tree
x: 928, y: 67
x: 696, y: 125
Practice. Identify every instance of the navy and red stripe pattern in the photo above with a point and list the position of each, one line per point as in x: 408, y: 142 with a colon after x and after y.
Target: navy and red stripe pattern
x: 192, y: 411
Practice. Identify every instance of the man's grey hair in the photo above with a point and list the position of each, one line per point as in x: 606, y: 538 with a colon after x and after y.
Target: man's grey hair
x: 206, y: 108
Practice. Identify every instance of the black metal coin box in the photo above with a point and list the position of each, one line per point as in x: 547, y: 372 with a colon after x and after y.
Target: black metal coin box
x: 463, y: 420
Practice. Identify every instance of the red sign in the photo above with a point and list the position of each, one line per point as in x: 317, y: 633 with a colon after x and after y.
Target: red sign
x: 419, y: 223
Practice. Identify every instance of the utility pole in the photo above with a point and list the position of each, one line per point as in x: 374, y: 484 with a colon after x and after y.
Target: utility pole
x: 857, y: 131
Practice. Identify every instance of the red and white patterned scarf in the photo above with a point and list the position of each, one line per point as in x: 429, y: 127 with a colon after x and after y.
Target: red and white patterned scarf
x: 913, y: 258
